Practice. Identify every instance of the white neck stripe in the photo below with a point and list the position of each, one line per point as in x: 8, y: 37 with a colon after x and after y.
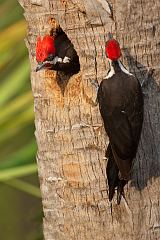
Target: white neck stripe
x: 111, y: 72
x: 123, y: 68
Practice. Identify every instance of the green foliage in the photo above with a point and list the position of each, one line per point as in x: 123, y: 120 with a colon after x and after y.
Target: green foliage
x: 20, y: 202
x: 17, y: 144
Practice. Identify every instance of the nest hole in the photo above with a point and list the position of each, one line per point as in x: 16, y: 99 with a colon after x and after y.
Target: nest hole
x: 68, y: 60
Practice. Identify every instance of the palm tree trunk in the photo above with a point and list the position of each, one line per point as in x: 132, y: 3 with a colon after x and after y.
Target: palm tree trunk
x: 69, y: 131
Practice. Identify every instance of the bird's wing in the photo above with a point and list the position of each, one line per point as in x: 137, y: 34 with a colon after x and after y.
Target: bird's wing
x: 121, y: 139
x: 65, y: 50
x: 64, y: 47
x: 70, y: 62
x: 120, y: 132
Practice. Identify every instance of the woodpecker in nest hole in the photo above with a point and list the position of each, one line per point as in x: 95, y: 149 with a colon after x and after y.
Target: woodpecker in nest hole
x: 57, y: 53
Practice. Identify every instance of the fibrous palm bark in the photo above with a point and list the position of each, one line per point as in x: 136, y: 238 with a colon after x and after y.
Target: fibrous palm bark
x: 69, y: 131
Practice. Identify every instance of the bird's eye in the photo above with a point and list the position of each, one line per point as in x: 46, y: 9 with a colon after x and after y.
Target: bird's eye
x: 50, y: 57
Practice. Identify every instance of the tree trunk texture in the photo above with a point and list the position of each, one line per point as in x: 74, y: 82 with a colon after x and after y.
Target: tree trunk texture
x: 69, y: 131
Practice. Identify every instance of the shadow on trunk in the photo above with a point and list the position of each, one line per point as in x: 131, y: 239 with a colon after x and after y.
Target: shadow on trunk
x: 146, y: 167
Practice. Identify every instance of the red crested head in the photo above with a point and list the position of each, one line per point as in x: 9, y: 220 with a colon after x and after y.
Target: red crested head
x: 113, y: 51
x: 44, y: 48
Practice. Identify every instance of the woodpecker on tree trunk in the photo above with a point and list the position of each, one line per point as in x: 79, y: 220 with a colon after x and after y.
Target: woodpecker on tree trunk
x: 57, y: 53
x: 121, y: 106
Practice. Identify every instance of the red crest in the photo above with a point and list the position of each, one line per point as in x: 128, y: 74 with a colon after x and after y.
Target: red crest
x: 44, y: 47
x: 113, y: 50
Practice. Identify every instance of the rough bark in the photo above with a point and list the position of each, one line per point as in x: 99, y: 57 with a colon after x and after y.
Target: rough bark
x: 69, y: 131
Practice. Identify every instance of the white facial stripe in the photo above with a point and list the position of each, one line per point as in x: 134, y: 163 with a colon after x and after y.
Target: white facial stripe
x: 111, y: 72
x: 48, y: 62
x: 59, y: 60
x: 54, y: 61
x: 123, y: 68
x: 66, y: 59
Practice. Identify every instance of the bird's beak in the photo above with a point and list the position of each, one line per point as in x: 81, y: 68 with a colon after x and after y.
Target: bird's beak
x: 40, y: 66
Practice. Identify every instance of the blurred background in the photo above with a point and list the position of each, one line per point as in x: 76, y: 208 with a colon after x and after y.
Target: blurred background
x: 20, y: 199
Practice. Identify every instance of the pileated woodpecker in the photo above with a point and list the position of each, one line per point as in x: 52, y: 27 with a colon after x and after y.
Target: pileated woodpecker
x: 57, y: 53
x: 121, y: 106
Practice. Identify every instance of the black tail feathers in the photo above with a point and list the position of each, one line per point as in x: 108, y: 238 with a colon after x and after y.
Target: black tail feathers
x: 113, y: 178
x: 120, y: 190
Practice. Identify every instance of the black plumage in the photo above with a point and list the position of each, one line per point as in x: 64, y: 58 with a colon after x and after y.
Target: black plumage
x: 64, y: 48
x: 121, y: 106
